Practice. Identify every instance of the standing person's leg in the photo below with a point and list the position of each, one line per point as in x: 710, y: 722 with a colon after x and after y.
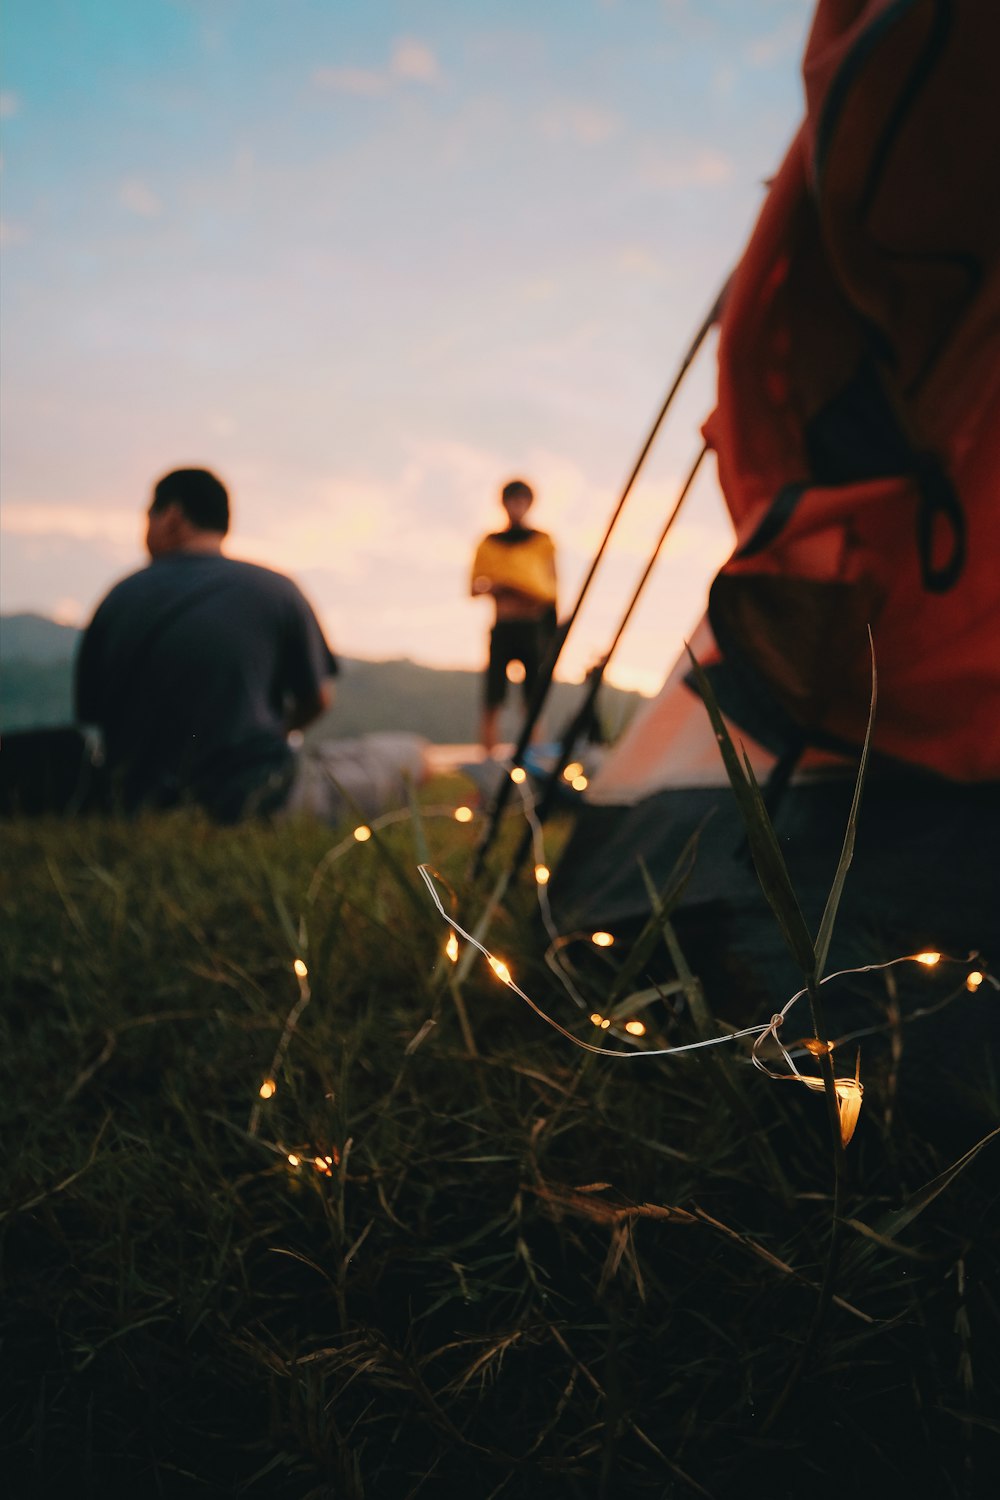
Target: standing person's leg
x: 494, y: 688
x: 534, y: 652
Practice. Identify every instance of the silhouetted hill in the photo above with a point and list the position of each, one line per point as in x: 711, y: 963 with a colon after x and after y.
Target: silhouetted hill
x: 34, y: 638
x: 36, y: 672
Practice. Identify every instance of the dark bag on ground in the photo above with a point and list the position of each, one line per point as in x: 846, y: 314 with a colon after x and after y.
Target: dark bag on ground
x: 48, y: 771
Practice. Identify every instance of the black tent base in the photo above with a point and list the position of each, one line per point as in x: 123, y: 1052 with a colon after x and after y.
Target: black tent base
x: 925, y: 877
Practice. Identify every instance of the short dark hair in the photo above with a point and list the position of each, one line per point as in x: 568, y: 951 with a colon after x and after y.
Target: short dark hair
x: 201, y: 497
x: 517, y: 489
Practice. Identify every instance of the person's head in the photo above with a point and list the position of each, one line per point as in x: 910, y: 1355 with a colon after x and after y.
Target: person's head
x: 189, y: 512
x: 517, y: 497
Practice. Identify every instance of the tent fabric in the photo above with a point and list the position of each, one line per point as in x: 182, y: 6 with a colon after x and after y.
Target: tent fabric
x: 670, y: 743
x: 858, y: 419
x: 925, y: 874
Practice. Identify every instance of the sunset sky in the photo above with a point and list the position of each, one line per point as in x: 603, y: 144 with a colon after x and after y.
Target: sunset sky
x: 367, y: 259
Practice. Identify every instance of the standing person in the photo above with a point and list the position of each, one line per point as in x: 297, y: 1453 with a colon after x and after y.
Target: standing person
x: 516, y: 567
x: 196, y: 669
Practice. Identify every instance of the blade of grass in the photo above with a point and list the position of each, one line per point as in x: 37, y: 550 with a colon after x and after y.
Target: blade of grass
x: 764, y: 849
x: 847, y: 852
x: 891, y: 1224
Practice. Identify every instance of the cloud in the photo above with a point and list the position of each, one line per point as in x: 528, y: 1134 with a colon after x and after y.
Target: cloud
x: 82, y: 522
x: 414, y: 60
x: 10, y: 105
x: 410, y: 61
x: 587, y: 124
x: 68, y: 611
x: 337, y: 525
x: 138, y: 197
x: 699, y: 166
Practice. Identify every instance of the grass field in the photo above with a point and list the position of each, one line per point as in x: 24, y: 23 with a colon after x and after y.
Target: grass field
x: 510, y: 1269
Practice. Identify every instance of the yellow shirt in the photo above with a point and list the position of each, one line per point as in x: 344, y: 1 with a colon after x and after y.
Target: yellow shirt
x: 526, y: 563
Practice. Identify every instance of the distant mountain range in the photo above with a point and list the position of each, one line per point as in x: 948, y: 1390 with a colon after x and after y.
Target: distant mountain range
x: 36, y: 675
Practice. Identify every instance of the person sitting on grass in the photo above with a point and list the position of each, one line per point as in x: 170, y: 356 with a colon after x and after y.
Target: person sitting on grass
x: 516, y: 567
x: 196, y: 668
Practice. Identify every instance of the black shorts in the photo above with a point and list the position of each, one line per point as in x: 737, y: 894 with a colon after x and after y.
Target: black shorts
x: 526, y: 641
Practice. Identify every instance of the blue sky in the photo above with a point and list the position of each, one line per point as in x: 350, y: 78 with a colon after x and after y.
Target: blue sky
x: 368, y: 260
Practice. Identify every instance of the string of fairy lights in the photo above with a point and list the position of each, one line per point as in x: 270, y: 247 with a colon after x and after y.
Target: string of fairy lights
x: 630, y: 1031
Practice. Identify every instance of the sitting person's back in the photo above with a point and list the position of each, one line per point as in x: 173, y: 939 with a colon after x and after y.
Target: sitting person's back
x: 196, y: 667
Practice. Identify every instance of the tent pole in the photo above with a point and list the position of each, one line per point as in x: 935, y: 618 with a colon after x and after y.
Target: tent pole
x: 545, y: 676
x: 572, y: 732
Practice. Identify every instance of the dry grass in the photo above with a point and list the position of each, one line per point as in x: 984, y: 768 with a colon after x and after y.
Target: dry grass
x: 524, y: 1274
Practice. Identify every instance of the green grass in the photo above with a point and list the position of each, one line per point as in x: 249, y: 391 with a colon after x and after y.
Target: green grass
x: 458, y: 1308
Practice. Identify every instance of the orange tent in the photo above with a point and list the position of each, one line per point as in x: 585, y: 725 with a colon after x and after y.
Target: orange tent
x: 858, y: 418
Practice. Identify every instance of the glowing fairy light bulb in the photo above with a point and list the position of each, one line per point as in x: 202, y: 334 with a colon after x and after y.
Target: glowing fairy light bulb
x: 573, y: 770
x: 580, y: 783
x: 542, y: 873
x: 321, y: 1165
x: 293, y: 1160
x: 929, y: 958
x: 974, y: 980
x: 451, y: 947
x: 518, y: 775
x: 850, y: 1093
x: 605, y: 1024
x: 516, y: 671
x: 500, y: 969
x: 300, y: 968
x: 597, y: 1019
x: 463, y: 814
x: 601, y: 939
x: 635, y: 1028
x: 362, y: 833
x: 268, y: 1089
